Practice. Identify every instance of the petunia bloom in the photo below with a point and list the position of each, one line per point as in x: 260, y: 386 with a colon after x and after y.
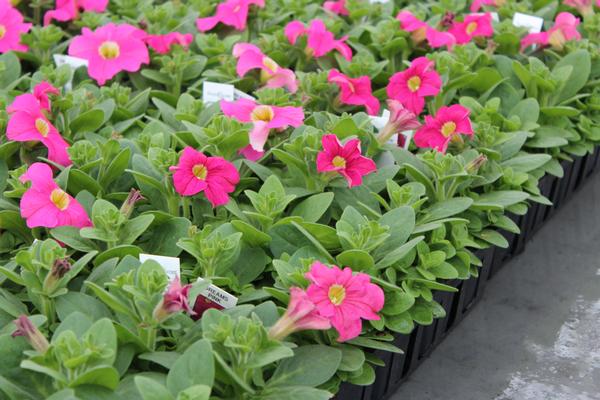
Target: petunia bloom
x: 27, y: 122
x: 45, y: 204
x: 410, y: 23
x: 174, y: 300
x: 585, y: 7
x: 564, y: 29
x: 437, y: 39
x: 40, y: 92
x: 355, y: 91
x: 320, y: 41
x: 111, y: 49
x: 474, y: 25
x: 68, y: 10
x: 301, y: 315
x: 401, y: 119
x: 344, y: 298
x: 231, y: 13
x: 346, y: 159
x: 412, y: 85
x: 31, y: 333
x: 162, y: 43
x: 477, y: 4
x: 336, y: 6
x: 448, y: 124
x: 196, y: 172
x: 263, y: 117
x: 11, y: 28
x: 250, y: 57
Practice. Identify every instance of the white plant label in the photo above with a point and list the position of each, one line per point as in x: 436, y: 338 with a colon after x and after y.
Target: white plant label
x: 238, y: 94
x: 213, y: 297
x: 213, y: 92
x: 171, y: 265
x: 379, y: 1
x: 531, y: 22
x: 407, y: 138
x: 73, y: 62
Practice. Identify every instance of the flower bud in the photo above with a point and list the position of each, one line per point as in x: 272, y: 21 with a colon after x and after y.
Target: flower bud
x: 129, y: 203
x: 477, y: 163
x: 60, y: 267
x: 174, y: 300
x: 30, y: 332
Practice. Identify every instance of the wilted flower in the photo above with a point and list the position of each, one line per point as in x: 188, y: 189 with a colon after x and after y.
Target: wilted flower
x: 133, y: 197
x: 448, y: 123
x: 174, y: 300
x: 355, y: 91
x: 231, y: 12
x: 300, y: 315
x: 31, y: 333
x: 320, y: 41
x: 250, y: 57
x: 400, y: 120
x: 344, y: 159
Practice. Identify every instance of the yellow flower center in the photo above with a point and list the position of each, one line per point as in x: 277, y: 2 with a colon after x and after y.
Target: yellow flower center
x: 269, y: 63
x: 557, y: 39
x: 339, y: 162
x: 200, y: 171
x: 448, y: 128
x: 109, y: 50
x: 419, y: 35
x: 337, y: 293
x: 2, y: 31
x: 471, y: 27
x: 60, y: 199
x: 262, y: 113
x: 42, y: 127
x: 414, y: 83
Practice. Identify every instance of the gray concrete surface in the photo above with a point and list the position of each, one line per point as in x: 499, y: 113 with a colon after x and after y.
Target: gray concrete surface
x: 535, y: 334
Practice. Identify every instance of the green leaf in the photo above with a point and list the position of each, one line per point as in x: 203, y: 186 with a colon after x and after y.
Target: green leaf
x: 102, y: 376
x: 313, y: 208
x: 446, y: 208
x: 352, y: 358
x: 311, y: 365
x: 116, y: 168
x: 151, y: 390
x: 194, y: 367
x: 89, y: 121
x: 499, y: 198
x: 357, y: 260
x: 374, y: 344
x: 526, y: 162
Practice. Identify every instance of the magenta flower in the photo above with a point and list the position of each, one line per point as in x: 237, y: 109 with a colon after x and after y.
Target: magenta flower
x: 355, y: 91
x: 410, y: 23
x: 448, y: 124
x: 28, y: 122
x: 31, y: 333
x: 111, y: 49
x: 250, y: 57
x: 249, y: 153
x: 400, y: 120
x: 412, y: 85
x: 474, y: 25
x: 263, y: 117
x: 174, y: 300
x: 196, y: 173
x: 68, y: 10
x: 162, y: 43
x: 336, y: 6
x: 40, y: 92
x: 47, y: 205
x: 344, y: 298
x: 564, y: 30
x: 477, y: 4
x: 300, y: 315
x: 11, y: 28
x: 345, y: 159
x: 585, y: 7
x: 231, y: 12
x: 437, y: 39
x: 320, y: 41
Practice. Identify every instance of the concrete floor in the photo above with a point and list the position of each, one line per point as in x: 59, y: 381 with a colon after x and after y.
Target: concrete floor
x: 535, y: 334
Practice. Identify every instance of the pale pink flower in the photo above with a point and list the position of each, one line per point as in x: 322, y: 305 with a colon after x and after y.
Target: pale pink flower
x: 196, y: 172
x: 174, y: 300
x: 336, y: 6
x: 301, y: 315
x: 355, y: 91
x: 249, y: 153
x: 400, y: 120
x: 263, y: 117
x: 45, y: 204
x: 474, y: 25
x: 449, y: 123
x: 68, y: 10
x: 31, y: 333
x: 564, y: 30
x: 11, y: 28
x: 585, y: 7
x: 162, y: 43
x: 344, y: 298
x: 250, y: 57
x: 320, y: 41
x: 111, y: 49
x: 231, y: 13
x: 346, y: 159
x: 27, y: 122
x: 412, y: 85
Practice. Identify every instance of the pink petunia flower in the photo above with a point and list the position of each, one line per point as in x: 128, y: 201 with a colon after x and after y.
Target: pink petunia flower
x: 231, y: 12
x: 564, y: 29
x: 46, y: 204
x: 27, y: 122
x: 355, y: 91
x: 111, y: 49
x: 68, y: 10
x: 162, y: 43
x: 11, y: 28
x: 344, y: 298
x: 585, y: 7
x: 410, y: 23
x: 174, y: 300
x: 438, y: 131
x: 477, y: 4
x: 401, y: 119
x: 250, y: 57
x: 437, y: 39
x: 474, y: 25
x: 301, y: 315
x: 263, y: 117
x: 40, y: 92
x: 345, y: 159
x: 249, y: 153
x: 412, y: 85
x: 336, y: 6
x: 195, y: 173
x: 320, y: 41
